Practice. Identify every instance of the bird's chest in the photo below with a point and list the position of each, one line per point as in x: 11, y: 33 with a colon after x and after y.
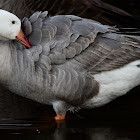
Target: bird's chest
x: 116, y: 83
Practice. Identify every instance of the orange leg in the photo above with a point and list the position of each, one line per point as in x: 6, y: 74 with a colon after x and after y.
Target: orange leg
x: 59, y: 118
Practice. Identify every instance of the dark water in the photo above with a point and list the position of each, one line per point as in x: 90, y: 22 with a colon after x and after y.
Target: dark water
x: 73, y: 129
x: 47, y: 130
x: 42, y: 129
x: 24, y: 119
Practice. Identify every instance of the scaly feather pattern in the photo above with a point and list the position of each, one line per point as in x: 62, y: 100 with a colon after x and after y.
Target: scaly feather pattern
x: 66, y: 53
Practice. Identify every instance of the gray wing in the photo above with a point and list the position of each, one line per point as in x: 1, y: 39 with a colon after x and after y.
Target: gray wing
x: 71, y: 49
x: 62, y: 38
x: 128, y: 51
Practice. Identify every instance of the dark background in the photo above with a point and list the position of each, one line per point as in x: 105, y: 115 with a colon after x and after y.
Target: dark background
x: 130, y: 6
x: 22, y: 118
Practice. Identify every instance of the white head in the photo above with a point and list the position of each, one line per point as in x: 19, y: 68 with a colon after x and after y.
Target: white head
x: 10, y: 28
x: 9, y: 25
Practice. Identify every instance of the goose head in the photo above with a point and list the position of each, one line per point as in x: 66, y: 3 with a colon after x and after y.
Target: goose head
x: 10, y: 28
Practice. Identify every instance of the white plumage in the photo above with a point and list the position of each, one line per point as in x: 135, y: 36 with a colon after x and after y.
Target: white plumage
x: 115, y: 83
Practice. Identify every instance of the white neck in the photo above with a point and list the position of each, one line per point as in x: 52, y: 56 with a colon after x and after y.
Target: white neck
x: 3, y: 38
x: 5, y: 59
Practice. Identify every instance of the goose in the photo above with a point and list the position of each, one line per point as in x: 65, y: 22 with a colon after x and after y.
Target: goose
x: 91, y: 9
x: 67, y: 61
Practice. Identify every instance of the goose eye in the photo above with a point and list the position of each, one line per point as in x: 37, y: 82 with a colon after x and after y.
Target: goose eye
x: 13, y: 22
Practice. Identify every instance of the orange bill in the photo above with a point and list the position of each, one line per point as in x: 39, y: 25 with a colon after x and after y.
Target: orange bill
x: 21, y: 37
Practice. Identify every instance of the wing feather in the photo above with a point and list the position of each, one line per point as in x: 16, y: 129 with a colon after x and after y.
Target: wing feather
x: 74, y: 49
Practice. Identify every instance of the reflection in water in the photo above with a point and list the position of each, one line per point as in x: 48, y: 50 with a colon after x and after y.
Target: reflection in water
x: 72, y: 129
x: 53, y: 133
x: 24, y: 119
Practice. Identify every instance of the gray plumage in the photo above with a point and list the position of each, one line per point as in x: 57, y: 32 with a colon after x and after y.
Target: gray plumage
x: 66, y: 52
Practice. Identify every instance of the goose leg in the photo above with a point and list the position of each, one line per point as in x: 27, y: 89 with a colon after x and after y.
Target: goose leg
x: 59, y: 117
x: 60, y: 108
